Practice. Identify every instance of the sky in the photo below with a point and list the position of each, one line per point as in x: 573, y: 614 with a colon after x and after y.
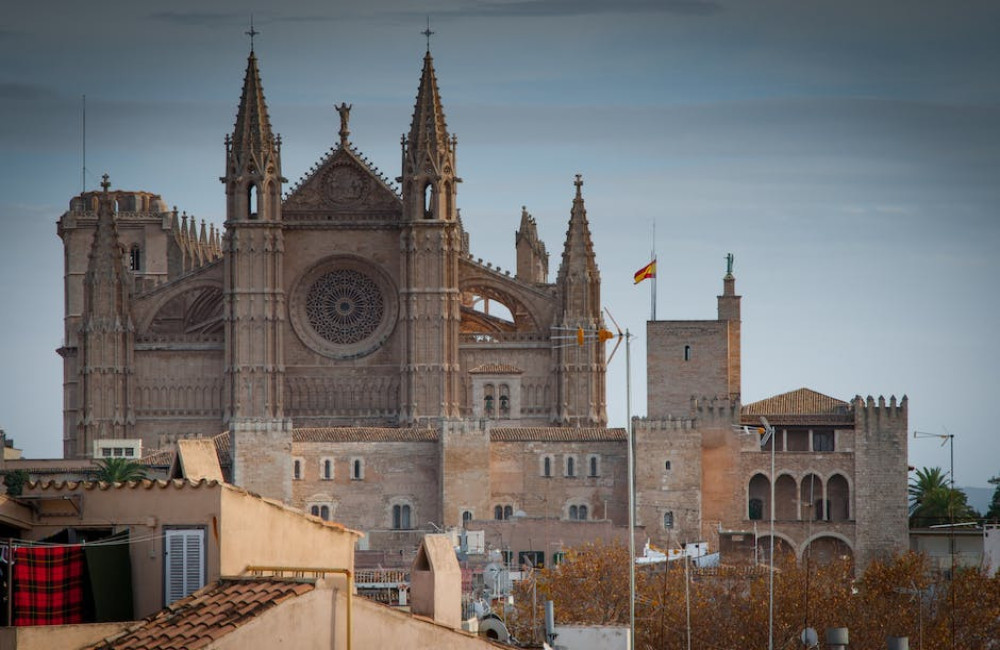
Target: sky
x: 846, y: 153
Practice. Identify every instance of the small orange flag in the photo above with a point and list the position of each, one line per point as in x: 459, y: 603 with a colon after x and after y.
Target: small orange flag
x: 648, y: 271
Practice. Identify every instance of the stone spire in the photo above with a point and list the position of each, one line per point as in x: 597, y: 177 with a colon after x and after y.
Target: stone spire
x: 252, y: 134
x: 106, y: 337
x: 532, y: 258
x: 579, y: 279
x: 428, y: 139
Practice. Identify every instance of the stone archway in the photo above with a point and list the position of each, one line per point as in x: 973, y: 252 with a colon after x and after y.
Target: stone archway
x: 825, y: 548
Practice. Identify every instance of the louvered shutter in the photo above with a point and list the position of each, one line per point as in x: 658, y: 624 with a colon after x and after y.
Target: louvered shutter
x: 184, y: 563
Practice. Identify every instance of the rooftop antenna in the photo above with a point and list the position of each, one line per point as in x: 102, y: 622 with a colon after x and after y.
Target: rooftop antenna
x: 251, y: 33
x: 428, y: 33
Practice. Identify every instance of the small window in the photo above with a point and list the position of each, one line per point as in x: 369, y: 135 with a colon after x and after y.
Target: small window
x: 594, y: 466
x: 558, y: 557
x: 129, y: 451
x: 297, y: 469
x: 401, y: 517
x: 504, y: 407
x: 668, y: 519
x: 508, y: 557
x: 314, y: 511
x: 666, y: 466
x: 578, y: 512
x: 687, y: 352
x: 498, y: 512
x: 106, y: 452
x: 326, y: 469
x: 119, y: 451
x: 488, y: 406
x: 466, y: 517
x: 822, y: 440
x: 357, y: 469
x: 533, y: 559
x: 135, y: 259
x: 547, y: 466
x: 508, y: 512
x: 570, y: 466
x: 324, y: 513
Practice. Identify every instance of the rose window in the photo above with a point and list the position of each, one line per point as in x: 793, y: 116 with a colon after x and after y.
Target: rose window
x: 344, y: 306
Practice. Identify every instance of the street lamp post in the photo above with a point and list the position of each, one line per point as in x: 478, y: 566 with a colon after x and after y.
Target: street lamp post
x: 769, y: 435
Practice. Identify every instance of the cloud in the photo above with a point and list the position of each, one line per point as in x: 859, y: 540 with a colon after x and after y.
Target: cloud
x: 25, y: 92
x: 561, y: 8
x: 201, y: 18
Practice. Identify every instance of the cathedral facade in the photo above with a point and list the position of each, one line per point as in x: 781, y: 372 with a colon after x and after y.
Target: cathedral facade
x: 351, y: 357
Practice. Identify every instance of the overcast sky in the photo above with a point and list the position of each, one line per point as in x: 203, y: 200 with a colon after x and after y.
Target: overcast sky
x: 847, y: 153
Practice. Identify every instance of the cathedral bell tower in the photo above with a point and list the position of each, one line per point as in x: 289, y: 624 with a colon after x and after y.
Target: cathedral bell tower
x: 580, y: 369
x: 254, y: 299
x: 431, y: 244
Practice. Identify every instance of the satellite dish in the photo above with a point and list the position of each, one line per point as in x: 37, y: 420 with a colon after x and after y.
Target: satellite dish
x: 810, y: 638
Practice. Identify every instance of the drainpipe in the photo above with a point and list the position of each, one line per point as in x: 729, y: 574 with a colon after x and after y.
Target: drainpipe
x: 317, y: 572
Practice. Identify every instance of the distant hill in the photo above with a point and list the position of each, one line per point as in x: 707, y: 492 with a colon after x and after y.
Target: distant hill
x: 979, y: 497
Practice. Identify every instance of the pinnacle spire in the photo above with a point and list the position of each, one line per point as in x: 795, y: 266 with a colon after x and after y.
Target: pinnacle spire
x: 428, y: 130
x: 252, y: 133
x: 579, y: 277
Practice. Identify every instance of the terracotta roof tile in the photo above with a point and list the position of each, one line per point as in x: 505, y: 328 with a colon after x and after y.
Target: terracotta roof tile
x: 556, y: 434
x: 208, y: 614
x: 364, y: 434
x: 797, y: 402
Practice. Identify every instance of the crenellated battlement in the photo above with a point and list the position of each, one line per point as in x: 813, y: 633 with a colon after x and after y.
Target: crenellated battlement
x: 715, y: 410
x: 870, y: 413
x: 659, y: 424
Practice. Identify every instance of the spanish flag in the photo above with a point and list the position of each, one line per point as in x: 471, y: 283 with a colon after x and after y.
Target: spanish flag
x: 648, y: 271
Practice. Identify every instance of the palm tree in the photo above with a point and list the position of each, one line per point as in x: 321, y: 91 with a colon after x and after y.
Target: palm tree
x: 934, y: 501
x: 119, y: 470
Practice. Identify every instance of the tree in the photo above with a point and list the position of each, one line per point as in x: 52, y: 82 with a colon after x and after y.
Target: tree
x: 934, y: 501
x: 119, y: 470
x: 994, y: 510
x: 14, y: 481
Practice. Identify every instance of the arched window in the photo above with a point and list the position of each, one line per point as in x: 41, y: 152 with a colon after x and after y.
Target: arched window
x: 666, y: 466
x: 578, y: 512
x: 401, y: 517
x: 428, y: 201
x: 595, y: 469
x: 572, y: 512
x: 570, y: 466
x: 687, y: 352
x: 297, y: 469
x: 327, y: 469
x: 498, y: 512
x: 314, y: 511
x: 756, y: 508
x: 668, y: 519
x: 508, y: 512
x: 357, y: 469
x: 324, y: 513
x: 135, y: 259
x: 582, y: 513
x: 547, y: 466
x: 251, y: 201
x: 504, y: 407
x: 466, y: 517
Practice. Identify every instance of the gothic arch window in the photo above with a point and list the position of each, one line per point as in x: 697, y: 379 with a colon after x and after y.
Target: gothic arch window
x: 570, y: 467
x: 135, y: 258
x: 594, y: 465
x: 252, y: 201
x: 326, y: 469
x: 428, y: 201
x: 324, y: 513
x: 402, y: 516
x: 577, y: 512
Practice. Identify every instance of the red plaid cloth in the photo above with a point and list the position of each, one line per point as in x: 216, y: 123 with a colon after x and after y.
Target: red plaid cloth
x: 48, y: 585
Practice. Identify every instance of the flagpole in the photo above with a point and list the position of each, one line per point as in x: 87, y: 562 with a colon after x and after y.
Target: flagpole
x: 652, y: 299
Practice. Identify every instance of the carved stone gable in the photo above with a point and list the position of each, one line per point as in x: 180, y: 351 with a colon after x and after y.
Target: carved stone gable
x: 342, y: 188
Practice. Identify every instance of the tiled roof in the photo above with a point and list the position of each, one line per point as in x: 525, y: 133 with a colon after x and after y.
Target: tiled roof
x: 556, y: 434
x: 496, y: 369
x: 798, y: 402
x: 363, y: 434
x: 158, y: 457
x: 207, y: 615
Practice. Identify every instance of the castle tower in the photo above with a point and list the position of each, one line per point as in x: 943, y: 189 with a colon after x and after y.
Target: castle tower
x: 532, y: 258
x: 431, y: 242
x: 106, y: 338
x: 580, y: 369
x: 694, y: 358
x: 254, y: 299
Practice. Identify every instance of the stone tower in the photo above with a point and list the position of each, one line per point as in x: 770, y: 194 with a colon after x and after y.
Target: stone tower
x: 431, y: 243
x: 580, y: 368
x: 532, y: 258
x: 694, y: 358
x: 254, y: 299
x: 106, y: 338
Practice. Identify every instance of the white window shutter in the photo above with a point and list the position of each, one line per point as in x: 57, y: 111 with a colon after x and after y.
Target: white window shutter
x: 184, y: 564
